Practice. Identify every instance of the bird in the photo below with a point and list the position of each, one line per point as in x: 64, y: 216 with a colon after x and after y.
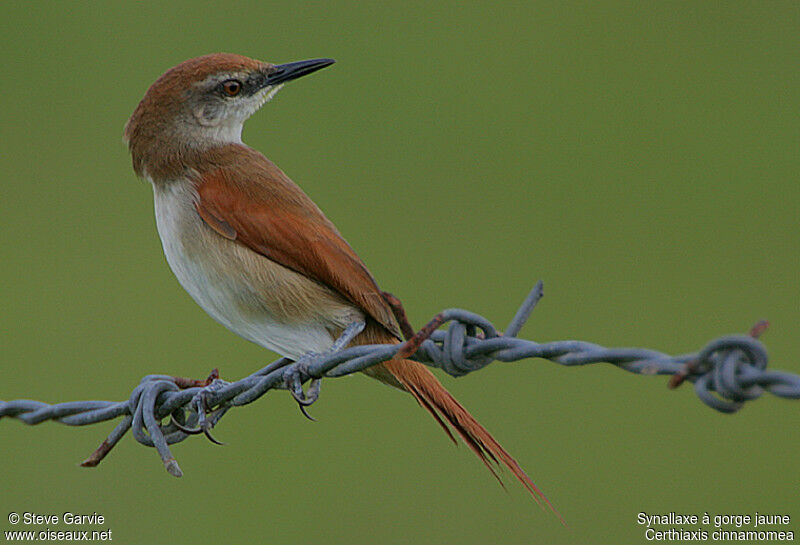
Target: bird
x: 254, y: 251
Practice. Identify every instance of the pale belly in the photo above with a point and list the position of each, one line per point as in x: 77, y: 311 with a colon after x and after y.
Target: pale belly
x: 210, y: 269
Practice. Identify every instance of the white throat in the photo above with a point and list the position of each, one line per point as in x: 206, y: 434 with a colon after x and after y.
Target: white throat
x: 229, y: 129
x: 229, y: 132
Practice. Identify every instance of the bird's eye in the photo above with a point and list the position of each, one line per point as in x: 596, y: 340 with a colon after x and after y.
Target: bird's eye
x: 232, y: 87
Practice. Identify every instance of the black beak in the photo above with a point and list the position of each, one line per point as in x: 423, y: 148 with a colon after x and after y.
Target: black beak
x: 292, y: 70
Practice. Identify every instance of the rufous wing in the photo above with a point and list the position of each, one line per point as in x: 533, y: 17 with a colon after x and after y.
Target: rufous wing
x: 255, y: 204
x: 247, y: 199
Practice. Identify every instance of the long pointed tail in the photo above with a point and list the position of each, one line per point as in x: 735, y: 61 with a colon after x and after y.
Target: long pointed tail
x: 416, y: 379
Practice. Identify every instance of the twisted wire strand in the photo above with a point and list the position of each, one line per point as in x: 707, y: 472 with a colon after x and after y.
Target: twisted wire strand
x: 726, y: 373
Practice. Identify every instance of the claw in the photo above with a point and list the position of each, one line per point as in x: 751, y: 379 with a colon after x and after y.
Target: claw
x: 305, y: 413
x: 308, y: 398
x: 205, y: 430
x: 296, y: 373
x: 184, y: 429
x: 200, y: 405
x: 207, y: 433
x: 203, y: 427
x: 293, y: 380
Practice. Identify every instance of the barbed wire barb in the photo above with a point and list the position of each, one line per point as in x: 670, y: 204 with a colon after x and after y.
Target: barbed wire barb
x: 727, y: 372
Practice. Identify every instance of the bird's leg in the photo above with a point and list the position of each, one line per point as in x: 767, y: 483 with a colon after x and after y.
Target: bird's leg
x: 206, y: 418
x: 298, y: 372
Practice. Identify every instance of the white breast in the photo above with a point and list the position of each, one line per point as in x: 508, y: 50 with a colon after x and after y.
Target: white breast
x: 206, y: 266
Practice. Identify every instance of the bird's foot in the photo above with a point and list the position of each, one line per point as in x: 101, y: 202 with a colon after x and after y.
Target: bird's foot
x: 298, y: 372
x: 294, y: 375
x: 293, y: 378
x: 200, y: 406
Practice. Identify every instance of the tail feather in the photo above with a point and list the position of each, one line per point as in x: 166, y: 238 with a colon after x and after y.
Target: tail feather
x: 429, y: 392
x: 422, y: 400
x: 474, y: 445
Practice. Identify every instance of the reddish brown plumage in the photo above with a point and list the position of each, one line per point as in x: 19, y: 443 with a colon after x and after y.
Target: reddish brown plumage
x: 248, y: 199
x: 251, y: 197
x: 249, y: 203
x: 430, y: 394
x: 153, y: 132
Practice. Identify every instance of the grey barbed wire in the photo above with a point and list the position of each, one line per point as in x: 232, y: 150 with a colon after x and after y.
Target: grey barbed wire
x: 726, y: 373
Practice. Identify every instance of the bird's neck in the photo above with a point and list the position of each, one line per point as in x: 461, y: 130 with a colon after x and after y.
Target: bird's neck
x: 169, y: 156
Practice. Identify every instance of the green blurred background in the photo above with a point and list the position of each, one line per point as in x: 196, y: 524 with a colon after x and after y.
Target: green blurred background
x: 641, y: 158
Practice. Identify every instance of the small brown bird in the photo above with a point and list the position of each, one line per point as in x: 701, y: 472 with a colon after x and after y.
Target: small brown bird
x: 252, y: 249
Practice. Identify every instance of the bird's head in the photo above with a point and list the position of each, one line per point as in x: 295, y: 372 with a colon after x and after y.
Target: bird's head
x: 205, y: 101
